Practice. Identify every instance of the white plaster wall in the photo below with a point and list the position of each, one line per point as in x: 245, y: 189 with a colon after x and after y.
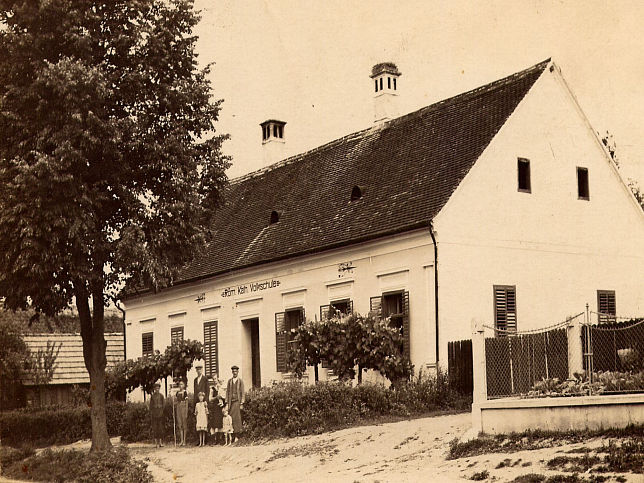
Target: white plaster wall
x: 557, y: 250
x: 401, y: 262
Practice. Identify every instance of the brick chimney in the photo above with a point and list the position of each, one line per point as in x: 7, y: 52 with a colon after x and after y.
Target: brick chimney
x: 272, y: 141
x: 385, y: 97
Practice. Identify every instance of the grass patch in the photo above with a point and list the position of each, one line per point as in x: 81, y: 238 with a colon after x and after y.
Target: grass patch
x: 529, y: 440
x: 573, y: 464
x: 480, y: 476
x: 79, y: 466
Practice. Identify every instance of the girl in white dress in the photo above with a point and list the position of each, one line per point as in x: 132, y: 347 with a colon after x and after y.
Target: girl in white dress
x: 201, y: 412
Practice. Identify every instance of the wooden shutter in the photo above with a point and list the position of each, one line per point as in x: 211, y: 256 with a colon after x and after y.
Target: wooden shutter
x: 210, y: 352
x: 375, y: 305
x: 176, y: 335
x: 405, y: 313
x: 350, y: 307
x: 280, y: 341
x: 324, y: 311
x: 505, y: 309
x: 147, y: 342
x: 606, y: 306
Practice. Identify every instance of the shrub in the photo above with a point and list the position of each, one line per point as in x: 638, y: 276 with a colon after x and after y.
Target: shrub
x: 290, y: 409
x: 79, y: 466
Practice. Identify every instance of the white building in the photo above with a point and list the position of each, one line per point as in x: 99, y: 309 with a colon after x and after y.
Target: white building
x: 499, y: 204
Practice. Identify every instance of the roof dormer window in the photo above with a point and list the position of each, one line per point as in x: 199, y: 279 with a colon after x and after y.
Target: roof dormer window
x: 356, y: 193
x: 275, y: 217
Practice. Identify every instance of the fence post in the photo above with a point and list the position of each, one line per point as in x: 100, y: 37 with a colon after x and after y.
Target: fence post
x: 575, y: 348
x: 479, y: 374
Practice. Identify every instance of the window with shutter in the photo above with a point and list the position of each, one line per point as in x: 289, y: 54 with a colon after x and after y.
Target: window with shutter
x: 210, y: 350
x: 147, y: 342
x: 337, y: 308
x: 395, y: 305
x: 505, y: 309
x: 375, y: 305
x: 280, y: 340
x: 523, y: 171
x: 606, y: 306
x: 176, y: 335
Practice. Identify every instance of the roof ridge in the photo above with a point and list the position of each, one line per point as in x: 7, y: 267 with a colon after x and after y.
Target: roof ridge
x: 490, y: 86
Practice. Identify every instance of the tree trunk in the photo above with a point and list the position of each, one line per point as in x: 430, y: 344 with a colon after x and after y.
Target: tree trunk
x: 359, y: 375
x: 317, y: 377
x: 92, y: 333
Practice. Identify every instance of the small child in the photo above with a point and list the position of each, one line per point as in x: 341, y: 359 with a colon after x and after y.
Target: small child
x: 181, y: 401
x: 227, y: 428
x: 201, y: 412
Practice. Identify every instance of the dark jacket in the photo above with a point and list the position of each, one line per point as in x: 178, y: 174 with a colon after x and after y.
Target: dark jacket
x: 202, y: 386
x: 235, y: 392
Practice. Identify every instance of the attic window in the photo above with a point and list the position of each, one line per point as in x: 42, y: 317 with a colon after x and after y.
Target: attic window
x: 523, y: 169
x: 583, y: 192
x: 275, y: 217
x: 356, y: 193
x: 394, y: 83
x: 376, y: 81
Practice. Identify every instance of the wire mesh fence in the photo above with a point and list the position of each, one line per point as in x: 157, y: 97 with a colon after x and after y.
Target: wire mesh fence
x: 589, y: 353
x: 614, y: 353
x: 516, y: 362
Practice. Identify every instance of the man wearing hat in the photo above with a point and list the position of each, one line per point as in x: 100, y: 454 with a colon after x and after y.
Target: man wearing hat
x: 156, y: 415
x: 201, y: 383
x: 235, y: 395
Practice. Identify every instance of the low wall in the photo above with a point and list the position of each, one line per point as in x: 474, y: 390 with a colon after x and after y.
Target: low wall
x: 558, y: 413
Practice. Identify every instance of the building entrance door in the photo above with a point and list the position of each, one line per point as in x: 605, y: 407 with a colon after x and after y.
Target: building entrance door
x: 251, y: 349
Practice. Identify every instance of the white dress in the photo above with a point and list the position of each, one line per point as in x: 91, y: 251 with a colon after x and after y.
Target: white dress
x: 201, y: 409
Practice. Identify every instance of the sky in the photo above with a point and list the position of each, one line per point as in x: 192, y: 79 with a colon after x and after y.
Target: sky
x: 308, y: 63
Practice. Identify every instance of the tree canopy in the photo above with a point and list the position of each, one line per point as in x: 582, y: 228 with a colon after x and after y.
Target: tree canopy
x: 110, y: 168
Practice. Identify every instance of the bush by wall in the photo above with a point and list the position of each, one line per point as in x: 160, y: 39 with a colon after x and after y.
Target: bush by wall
x: 290, y: 409
x: 285, y: 409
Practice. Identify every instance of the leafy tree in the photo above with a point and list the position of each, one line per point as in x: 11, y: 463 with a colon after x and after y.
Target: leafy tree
x: 349, y: 342
x: 109, y: 168
x: 145, y: 371
x: 13, y: 354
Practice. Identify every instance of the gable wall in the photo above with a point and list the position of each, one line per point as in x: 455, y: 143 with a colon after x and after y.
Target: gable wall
x: 557, y: 250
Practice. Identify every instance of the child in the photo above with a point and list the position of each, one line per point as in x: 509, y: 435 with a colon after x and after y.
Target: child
x: 217, y: 418
x: 201, y: 412
x: 156, y: 414
x: 227, y: 428
x: 181, y: 399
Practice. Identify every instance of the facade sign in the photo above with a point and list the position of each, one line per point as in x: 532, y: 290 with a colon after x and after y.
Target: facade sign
x: 249, y: 288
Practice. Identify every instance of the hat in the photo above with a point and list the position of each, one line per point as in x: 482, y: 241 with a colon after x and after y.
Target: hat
x: 198, y: 365
x: 235, y: 367
x: 156, y: 384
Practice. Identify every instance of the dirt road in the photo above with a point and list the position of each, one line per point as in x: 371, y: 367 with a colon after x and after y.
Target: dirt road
x: 403, y: 451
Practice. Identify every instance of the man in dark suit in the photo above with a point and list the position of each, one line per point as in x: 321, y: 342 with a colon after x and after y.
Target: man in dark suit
x: 201, y: 383
x: 236, y: 396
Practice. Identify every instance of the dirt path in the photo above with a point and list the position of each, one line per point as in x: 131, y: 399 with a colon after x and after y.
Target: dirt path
x: 403, y: 451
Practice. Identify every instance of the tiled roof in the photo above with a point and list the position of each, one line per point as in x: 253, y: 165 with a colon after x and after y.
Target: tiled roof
x: 407, y: 169
x: 70, y: 365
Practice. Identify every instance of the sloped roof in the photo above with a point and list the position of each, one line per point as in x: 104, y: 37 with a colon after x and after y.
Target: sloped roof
x: 406, y: 168
x: 70, y: 365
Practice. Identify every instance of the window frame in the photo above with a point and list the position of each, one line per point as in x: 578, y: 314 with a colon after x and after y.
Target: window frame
x: 525, y: 163
x: 173, y: 331
x: 605, y: 319
x: 585, y: 185
x: 504, y: 332
x: 145, y: 335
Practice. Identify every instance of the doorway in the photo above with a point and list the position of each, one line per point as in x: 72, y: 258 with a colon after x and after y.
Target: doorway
x: 251, y: 349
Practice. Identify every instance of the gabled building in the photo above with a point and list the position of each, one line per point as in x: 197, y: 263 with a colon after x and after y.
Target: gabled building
x: 499, y: 204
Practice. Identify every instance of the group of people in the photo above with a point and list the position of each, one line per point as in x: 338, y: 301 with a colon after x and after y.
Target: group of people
x: 222, y: 419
